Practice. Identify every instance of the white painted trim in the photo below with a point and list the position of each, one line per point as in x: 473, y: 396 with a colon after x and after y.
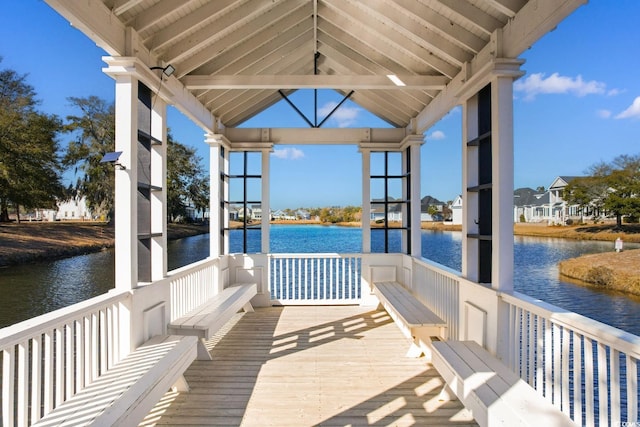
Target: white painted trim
x: 126, y: 183
x: 310, y: 81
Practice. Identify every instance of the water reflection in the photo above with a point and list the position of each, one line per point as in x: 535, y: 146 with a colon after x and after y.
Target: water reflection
x: 29, y: 290
x: 32, y: 289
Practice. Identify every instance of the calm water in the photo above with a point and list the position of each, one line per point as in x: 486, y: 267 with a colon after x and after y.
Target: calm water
x: 33, y: 289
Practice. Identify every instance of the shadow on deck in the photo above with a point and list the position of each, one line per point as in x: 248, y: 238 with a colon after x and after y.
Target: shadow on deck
x: 305, y: 366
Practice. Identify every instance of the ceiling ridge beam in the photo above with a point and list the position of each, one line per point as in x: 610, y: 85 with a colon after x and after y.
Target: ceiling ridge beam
x: 313, y: 82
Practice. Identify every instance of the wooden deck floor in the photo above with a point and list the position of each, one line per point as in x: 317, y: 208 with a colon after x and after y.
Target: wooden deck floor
x: 308, y: 366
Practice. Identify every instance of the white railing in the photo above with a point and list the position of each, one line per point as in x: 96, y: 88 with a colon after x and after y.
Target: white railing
x: 438, y: 287
x: 586, y: 368
x: 315, y: 278
x: 49, y: 358
x: 191, y: 285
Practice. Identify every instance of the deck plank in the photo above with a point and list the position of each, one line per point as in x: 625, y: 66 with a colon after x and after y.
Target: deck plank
x: 309, y: 366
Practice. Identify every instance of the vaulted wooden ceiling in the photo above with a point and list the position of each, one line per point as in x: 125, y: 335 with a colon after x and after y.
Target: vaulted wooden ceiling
x: 237, y: 56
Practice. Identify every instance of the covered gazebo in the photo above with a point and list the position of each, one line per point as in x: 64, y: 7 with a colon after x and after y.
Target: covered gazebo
x: 408, y: 62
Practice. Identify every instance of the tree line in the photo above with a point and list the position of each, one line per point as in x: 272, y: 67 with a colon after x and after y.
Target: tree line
x: 32, y: 162
x: 609, y: 188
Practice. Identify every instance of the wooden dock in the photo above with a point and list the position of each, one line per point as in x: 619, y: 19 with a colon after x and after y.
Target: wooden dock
x: 308, y: 366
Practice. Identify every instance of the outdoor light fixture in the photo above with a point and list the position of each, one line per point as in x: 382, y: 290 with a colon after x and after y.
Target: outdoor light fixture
x: 112, y: 158
x: 396, y: 80
x: 167, y: 71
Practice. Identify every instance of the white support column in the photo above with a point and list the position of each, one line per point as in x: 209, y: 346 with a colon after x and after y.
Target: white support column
x: 502, y: 198
x: 366, y: 200
x: 159, y: 192
x: 126, y: 181
x: 216, y: 193
x: 414, y: 197
x: 265, y: 202
x: 469, y: 179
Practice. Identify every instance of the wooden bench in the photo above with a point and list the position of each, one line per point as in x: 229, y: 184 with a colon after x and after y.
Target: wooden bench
x: 493, y: 393
x: 124, y: 394
x: 206, y: 319
x: 414, y: 319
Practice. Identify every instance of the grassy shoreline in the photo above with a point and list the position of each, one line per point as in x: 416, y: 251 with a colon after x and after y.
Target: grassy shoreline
x: 30, y: 242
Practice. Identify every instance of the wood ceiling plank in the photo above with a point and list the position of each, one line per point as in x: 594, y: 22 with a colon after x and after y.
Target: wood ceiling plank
x: 265, y: 25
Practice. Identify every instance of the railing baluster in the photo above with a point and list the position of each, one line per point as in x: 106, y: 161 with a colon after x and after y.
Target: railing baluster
x: 79, y: 348
x: 548, y: 360
x: 23, y: 388
x: 540, y: 354
x: 324, y: 278
x: 556, y: 356
x: 59, y: 381
x: 588, y: 382
x: 8, y: 385
x: 531, y: 358
x: 88, y: 368
x: 603, y: 388
x: 68, y: 362
x: 566, y: 346
x: 632, y: 388
x: 36, y: 376
x: 48, y: 396
x: 577, y: 378
x: 614, y: 385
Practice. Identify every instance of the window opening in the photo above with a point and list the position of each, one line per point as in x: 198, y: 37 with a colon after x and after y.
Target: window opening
x: 390, y: 205
x: 242, y: 201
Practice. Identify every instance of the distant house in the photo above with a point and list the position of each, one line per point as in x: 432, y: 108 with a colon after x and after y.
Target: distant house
x: 548, y: 206
x: 456, y: 211
x: 256, y: 213
x: 394, y: 214
x: 428, y: 202
x: 70, y: 210
x: 302, y: 214
x: 530, y: 205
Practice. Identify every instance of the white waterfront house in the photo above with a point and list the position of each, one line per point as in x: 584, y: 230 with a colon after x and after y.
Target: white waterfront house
x: 309, y: 354
x: 75, y: 209
x: 456, y: 210
x: 548, y: 206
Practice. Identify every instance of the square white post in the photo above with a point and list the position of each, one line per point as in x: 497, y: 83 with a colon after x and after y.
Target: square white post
x: 265, y: 201
x: 217, y: 188
x: 365, y: 221
x: 159, y: 190
x: 469, y: 179
x: 502, y: 198
x: 126, y: 183
x: 414, y: 197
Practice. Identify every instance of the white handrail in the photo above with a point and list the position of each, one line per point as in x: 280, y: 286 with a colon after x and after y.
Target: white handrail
x: 49, y: 358
x: 438, y: 287
x: 191, y: 285
x: 327, y: 278
x: 586, y: 368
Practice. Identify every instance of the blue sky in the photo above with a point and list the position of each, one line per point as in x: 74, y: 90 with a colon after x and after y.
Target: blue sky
x: 578, y: 104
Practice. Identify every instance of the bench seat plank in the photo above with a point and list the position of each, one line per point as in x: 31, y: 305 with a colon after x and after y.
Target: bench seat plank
x: 414, y: 319
x: 494, y: 394
x: 209, y: 317
x: 412, y: 311
x: 125, y: 394
x: 206, y: 319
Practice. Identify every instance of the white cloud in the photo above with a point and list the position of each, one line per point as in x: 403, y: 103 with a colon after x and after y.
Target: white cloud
x: 437, y: 134
x: 343, y: 116
x: 604, y: 114
x: 288, y: 153
x: 633, y: 112
x: 536, y: 84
